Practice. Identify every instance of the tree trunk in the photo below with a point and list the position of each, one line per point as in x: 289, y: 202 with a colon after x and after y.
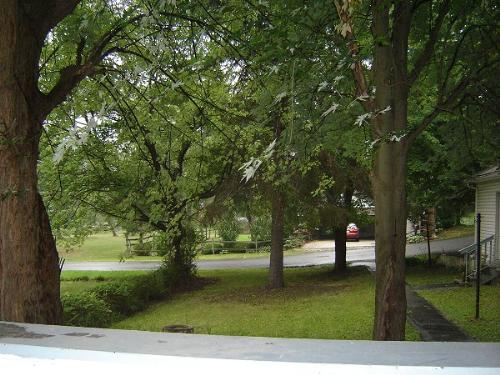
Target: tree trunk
x: 276, y: 258
x: 29, y: 269
x: 340, y: 230
x: 389, y: 169
x: 180, y: 260
x: 340, y: 248
x: 390, y: 242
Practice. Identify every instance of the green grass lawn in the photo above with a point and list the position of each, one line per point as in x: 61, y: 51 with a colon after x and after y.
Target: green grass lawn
x: 421, y: 274
x: 315, y: 304
x: 101, y: 247
x: 98, y: 247
x: 456, y: 232
x: 244, y: 237
x: 458, y: 305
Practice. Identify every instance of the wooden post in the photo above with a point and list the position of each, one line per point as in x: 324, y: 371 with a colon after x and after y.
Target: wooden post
x: 478, y: 262
x: 429, y: 258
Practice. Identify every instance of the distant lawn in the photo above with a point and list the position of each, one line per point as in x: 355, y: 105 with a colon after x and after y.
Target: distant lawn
x: 315, y: 304
x: 98, y: 247
x: 456, y: 232
x: 458, y: 305
x: 103, y: 247
x: 244, y: 237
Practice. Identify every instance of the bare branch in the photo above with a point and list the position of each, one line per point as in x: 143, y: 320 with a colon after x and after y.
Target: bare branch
x: 358, y: 71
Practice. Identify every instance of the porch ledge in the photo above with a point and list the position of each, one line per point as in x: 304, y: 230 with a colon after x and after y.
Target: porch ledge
x: 34, y: 345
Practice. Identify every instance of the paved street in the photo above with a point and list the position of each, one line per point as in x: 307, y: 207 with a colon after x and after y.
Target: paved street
x: 321, y: 253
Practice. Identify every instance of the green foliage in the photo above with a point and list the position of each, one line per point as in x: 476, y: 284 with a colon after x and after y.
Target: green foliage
x: 260, y: 229
x: 119, y: 297
x: 228, y: 227
x: 211, y: 248
x: 294, y: 242
x: 415, y: 238
x: 86, y: 310
x: 143, y: 249
x: 106, y: 303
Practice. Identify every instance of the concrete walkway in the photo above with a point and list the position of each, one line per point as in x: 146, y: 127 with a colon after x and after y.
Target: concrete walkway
x: 429, y: 321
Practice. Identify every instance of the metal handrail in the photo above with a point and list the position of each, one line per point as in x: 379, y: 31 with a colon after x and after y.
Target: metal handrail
x: 469, y: 253
x: 472, y: 248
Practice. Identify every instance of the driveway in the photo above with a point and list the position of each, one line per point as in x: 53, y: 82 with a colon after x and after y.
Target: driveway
x: 321, y: 252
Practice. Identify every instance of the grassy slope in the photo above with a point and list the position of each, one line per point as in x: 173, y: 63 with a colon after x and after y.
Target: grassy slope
x: 315, y: 304
x: 455, y: 232
x: 422, y: 275
x: 458, y: 304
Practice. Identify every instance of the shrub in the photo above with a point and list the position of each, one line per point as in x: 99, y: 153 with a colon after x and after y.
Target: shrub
x: 143, y: 249
x: 415, y: 238
x: 265, y: 249
x: 120, y: 297
x: 103, y: 304
x: 261, y: 228
x: 211, y: 248
x: 86, y: 309
x: 150, y: 287
x: 294, y: 242
x: 228, y: 228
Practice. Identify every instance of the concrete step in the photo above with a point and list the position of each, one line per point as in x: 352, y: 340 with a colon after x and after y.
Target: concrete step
x: 490, y: 275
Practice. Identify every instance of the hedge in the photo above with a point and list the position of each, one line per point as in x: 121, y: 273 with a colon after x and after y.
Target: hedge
x: 107, y: 303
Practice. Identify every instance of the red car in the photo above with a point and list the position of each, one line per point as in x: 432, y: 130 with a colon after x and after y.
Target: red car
x: 352, y: 232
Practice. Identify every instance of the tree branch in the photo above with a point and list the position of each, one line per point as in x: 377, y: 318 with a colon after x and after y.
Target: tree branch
x: 358, y: 71
x: 442, y: 106
x: 426, y: 54
x: 72, y: 75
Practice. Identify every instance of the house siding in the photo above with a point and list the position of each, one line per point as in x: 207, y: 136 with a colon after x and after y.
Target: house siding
x: 486, y: 205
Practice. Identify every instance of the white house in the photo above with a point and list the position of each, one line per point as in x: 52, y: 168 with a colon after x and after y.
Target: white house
x: 488, y: 204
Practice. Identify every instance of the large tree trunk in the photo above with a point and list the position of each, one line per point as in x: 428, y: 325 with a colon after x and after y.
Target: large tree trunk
x: 29, y: 271
x: 276, y: 258
x: 390, y: 242
x: 389, y: 170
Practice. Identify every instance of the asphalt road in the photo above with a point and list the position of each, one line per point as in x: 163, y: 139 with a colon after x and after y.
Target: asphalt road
x: 324, y: 255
